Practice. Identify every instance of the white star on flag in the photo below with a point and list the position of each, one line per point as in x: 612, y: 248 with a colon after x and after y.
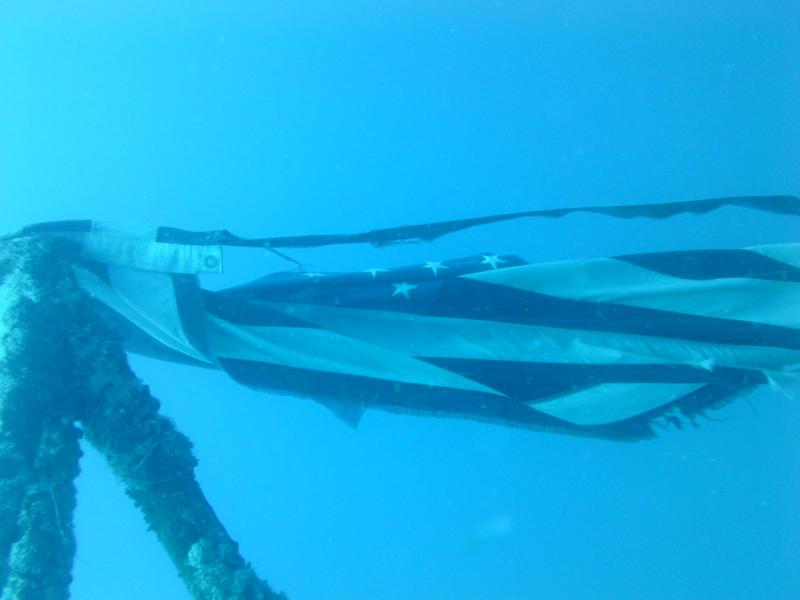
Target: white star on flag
x: 375, y: 271
x: 402, y: 289
x: 492, y: 259
x: 435, y: 265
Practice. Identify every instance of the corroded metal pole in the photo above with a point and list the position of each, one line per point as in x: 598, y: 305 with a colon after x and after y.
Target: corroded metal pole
x: 39, y: 448
x: 60, y: 364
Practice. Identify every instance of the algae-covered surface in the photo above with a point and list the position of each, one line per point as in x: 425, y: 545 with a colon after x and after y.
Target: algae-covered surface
x: 65, y: 376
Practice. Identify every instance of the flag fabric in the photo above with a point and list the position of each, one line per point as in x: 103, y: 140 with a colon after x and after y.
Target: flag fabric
x: 611, y: 348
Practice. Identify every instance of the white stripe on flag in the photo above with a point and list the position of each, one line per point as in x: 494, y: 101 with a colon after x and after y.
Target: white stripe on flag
x: 145, y: 299
x: 785, y: 253
x: 612, y: 402
x: 610, y: 280
x: 321, y: 350
x: 416, y: 335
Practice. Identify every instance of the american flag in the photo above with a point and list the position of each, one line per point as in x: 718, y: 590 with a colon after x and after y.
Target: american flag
x: 610, y: 347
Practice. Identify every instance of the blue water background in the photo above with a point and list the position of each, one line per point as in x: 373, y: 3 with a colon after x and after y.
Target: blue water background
x: 271, y: 118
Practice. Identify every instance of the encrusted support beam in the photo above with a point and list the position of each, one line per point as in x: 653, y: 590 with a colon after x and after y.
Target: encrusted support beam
x: 60, y: 365
x: 156, y: 465
x: 39, y: 447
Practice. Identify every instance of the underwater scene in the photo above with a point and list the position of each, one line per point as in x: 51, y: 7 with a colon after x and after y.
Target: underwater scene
x: 376, y: 301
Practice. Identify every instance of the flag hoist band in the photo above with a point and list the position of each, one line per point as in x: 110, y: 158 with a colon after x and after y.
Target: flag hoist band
x: 605, y: 347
